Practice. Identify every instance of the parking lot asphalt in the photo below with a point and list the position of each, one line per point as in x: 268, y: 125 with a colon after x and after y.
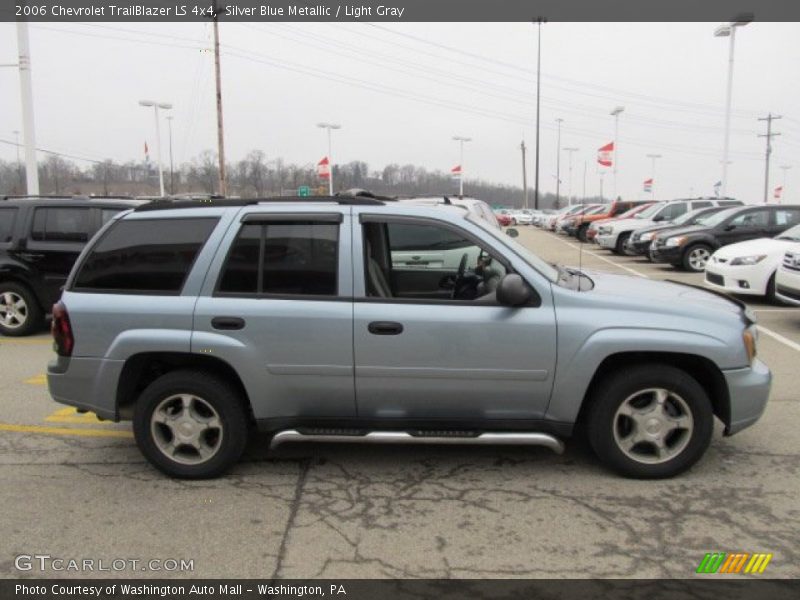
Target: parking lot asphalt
x: 75, y: 488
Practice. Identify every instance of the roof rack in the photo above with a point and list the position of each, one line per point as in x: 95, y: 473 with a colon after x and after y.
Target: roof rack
x: 169, y: 203
x: 64, y: 197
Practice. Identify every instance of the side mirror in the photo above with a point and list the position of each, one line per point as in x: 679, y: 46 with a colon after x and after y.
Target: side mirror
x: 511, y: 232
x: 658, y: 218
x: 513, y: 291
x: 730, y: 227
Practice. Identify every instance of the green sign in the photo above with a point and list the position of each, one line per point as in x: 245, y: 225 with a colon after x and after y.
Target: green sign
x: 304, y: 191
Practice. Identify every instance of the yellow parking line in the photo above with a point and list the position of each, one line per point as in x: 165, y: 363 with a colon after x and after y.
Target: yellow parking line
x: 40, y: 379
x: 71, y: 415
x: 65, y: 431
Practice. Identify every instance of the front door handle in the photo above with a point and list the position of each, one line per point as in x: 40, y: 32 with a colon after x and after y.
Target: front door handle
x: 227, y: 323
x: 385, y: 328
x: 30, y: 256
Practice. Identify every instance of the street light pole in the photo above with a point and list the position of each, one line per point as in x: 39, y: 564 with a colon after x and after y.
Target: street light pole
x: 540, y: 20
x: 728, y: 30
x: 329, y: 127
x: 569, y: 179
x: 653, y: 158
x: 558, y: 162
x: 461, y: 140
x: 156, y: 106
x: 28, y: 128
x: 171, y: 164
x: 615, y: 113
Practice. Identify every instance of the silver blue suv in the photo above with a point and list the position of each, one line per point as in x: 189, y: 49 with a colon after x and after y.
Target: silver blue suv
x: 200, y: 321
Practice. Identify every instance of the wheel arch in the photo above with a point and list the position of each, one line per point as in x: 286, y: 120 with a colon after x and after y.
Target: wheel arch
x: 702, y: 369
x: 142, y: 369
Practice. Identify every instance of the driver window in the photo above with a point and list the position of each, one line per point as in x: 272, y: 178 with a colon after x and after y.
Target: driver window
x: 753, y: 218
x: 427, y: 261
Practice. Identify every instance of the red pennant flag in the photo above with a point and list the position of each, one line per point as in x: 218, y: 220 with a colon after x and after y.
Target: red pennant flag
x: 324, y: 168
x: 605, y: 154
x: 456, y: 171
x: 777, y: 193
x: 648, y: 185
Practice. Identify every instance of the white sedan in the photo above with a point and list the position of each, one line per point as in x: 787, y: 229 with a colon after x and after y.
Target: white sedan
x: 749, y: 267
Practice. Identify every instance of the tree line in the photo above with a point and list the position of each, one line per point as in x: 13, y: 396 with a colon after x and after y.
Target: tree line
x: 253, y: 176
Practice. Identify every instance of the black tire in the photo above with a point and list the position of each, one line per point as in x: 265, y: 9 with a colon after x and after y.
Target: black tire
x: 603, y: 423
x: 581, y: 235
x: 622, y: 239
x: 688, y: 257
x: 771, y: 285
x: 28, y: 318
x: 213, y: 391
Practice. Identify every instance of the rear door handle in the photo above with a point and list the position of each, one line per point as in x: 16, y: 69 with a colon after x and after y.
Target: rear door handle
x: 227, y: 323
x: 385, y: 328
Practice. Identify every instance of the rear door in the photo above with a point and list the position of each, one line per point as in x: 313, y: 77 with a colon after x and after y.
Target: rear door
x: 277, y: 306
x: 783, y: 218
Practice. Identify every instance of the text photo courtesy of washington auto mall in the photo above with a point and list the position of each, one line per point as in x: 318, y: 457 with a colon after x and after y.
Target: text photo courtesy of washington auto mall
x: 410, y: 300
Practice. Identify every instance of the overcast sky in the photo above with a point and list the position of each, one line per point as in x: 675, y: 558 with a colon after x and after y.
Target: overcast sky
x: 401, y: 91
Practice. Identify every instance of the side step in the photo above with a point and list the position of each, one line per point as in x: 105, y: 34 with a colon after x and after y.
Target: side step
x: 423, y: 437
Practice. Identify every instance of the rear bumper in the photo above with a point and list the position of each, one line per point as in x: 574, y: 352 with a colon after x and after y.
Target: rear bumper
x: 86, y: 383
x: 748, y: 390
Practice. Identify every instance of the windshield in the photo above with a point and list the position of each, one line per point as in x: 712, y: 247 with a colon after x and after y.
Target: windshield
x: 536, y: 262
x: 631, y: 212
x: 596, y: 210
x: 793, y: 234
x: 649, y: 212
x: 716, y: 218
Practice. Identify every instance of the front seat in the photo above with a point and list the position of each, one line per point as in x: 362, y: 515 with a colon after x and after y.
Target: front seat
x: 377, y: 280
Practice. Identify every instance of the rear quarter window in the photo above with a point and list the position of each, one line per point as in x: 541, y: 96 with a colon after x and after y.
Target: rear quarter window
x: 144, y: 255
x: 7, y: 218
x: 61, y: 225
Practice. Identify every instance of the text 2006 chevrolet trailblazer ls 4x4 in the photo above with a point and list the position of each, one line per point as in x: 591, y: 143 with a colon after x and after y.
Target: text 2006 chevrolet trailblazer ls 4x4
x: 203, y: 320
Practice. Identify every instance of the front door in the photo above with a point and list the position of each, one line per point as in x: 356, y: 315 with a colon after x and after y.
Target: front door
x: 431, y: 342
x: 747, y: 225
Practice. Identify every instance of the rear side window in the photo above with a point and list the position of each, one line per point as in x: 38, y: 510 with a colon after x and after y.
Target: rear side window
x: 784, y: 217
x: 145, y: 256
x: 61, y: 225
x: 7, y: 218
x: 283, y: 258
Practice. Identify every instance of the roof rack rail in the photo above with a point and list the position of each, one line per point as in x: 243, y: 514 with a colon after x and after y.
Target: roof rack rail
x: 170, y: 203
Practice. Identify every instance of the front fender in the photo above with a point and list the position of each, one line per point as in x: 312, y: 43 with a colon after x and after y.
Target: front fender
x: 578, y: 362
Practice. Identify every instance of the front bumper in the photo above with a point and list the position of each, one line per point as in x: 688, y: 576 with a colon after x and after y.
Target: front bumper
x: 607, y: 241
x: 86, y: 383
x: 638, y: 247
x: 744, y: 279
x: 666, y: 254
x: 748, y: 390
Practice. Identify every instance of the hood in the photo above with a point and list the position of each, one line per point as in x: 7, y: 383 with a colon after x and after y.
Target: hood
x: 664, y: 297
x: 657, y: 228
x: 768, y: 246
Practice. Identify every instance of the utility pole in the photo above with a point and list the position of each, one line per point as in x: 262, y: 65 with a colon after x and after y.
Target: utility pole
x: 558, y: 162
x: 524, y: 174
x: 28, y: 128
x: 615, y: 113
x: 539, y: 20
x: 653, y: 158
x: 769, y: 135
x: 171, y: 164
x: 569, y: 179
x: 223, y: 180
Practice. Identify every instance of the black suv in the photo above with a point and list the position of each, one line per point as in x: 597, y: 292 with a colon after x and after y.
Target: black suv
x: 691, y: 247
x: 40, y: 240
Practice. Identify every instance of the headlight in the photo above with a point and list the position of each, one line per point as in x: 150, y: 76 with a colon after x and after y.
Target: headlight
x: 749, y: 340
x: 605, y: 230
x: 675, y: 241
x: 646, y: 237
x: 748, y: 260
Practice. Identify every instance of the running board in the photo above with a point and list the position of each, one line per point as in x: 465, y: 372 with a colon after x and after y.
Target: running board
x: 403, y: 437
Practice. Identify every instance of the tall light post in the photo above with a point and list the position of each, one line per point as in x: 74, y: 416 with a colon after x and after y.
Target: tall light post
x: 461, y: 141
x: 653, y: 158
x: 616, y: 113
x: 569, y: 179
x: 156, y: 106
x: 19, y: 164
x: 728, y: 30
x: 28, y: 127
x: 171, y: 164
x: 558, y: 162
x: 329, y: 127
x: 540, y: 20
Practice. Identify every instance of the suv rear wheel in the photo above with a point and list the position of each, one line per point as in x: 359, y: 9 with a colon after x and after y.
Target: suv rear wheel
x: 650, y: 422
x: 190, y: 425
x: 19, y: 311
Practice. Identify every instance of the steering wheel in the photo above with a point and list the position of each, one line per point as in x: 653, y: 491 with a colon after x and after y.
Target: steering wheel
x: 462, y: 267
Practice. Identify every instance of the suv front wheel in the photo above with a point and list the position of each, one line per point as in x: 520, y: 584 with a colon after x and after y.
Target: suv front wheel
x: 19, y: 311
x: 650, y: 422
x: 190, y: 425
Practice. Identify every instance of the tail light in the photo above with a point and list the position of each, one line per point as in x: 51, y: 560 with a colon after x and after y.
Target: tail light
x: 63, y: 340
